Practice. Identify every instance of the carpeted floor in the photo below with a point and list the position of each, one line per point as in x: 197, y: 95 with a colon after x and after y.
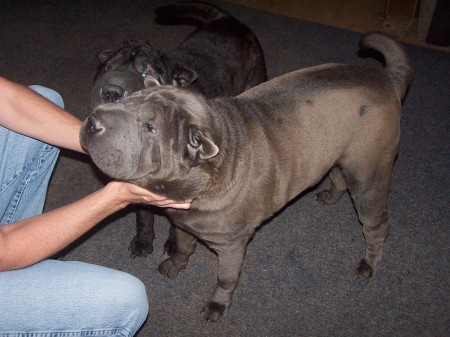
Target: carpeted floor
x: 297, y: 276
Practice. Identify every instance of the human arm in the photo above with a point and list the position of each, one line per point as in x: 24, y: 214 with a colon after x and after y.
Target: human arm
x: 28, y: 113
x: 31, y: 240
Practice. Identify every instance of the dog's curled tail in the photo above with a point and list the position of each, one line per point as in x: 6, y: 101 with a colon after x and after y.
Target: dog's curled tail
x: 398, y: 65
x: 195, y: 11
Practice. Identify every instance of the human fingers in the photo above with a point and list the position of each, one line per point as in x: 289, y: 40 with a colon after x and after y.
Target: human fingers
x: 167, y: 203
x: 141, y: 195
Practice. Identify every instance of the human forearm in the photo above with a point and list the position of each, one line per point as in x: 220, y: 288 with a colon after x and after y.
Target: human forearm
x: 34, y: 239
x: 28, y: 113
x: 39, y: 237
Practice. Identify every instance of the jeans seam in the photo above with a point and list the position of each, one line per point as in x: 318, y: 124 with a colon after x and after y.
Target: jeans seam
x: 40, y: 158
x: 42, y: 153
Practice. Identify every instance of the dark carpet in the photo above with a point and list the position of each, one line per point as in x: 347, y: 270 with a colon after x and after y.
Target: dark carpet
x: 297, y: 279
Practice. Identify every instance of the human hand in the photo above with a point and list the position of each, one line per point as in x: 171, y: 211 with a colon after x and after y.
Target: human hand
x: 127, y: 193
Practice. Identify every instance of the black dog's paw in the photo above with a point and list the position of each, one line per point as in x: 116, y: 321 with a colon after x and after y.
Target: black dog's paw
x: 364, y: 270
x: 140, y: 248
x: 214, y: 311
x: 325, y: 198
x: 168, y: 269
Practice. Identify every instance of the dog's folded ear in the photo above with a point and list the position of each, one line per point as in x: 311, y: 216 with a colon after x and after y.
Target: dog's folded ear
x: 183, y: 76
x: 116, y: 57
x: 201, y: 146
x: 105, y: 55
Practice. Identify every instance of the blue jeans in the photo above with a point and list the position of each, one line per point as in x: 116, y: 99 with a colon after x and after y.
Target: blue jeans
x: 56, y: 298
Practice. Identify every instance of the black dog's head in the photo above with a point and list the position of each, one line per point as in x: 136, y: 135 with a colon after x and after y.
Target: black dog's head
x: 156, y: 137
x: 131, y: 67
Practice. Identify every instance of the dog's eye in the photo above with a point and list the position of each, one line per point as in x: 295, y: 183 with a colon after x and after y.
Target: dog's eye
x: 150, y: 128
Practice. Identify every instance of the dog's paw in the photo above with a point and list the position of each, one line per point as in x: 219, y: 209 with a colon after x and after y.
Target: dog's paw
x: 168, y: 269
x: 325, y: 198
x: 214, y: 311
x: 140, y: 248
x: 364, y: 270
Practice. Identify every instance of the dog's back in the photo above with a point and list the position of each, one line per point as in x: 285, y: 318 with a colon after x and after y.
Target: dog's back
x: 221, y: 70
x: 197, y: 13
x: 315, y: 118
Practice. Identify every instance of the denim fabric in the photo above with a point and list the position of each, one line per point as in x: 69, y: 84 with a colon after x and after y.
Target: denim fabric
x: 64, y: 298
x: 26, y: 166
x: 24, y: 175
x: 56, y: 298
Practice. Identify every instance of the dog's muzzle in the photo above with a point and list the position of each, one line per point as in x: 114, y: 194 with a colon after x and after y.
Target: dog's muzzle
x: 94, y: 126
x: 112, y: 94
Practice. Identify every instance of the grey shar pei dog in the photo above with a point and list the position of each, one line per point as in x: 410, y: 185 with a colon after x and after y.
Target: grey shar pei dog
x: 222, y: 57
x: 243, y: 158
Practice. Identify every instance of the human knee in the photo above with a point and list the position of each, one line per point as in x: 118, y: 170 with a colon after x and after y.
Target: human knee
x: 114, y: 297
x: 130, y: 299
x: 133, y: 292
x: 74, y: 295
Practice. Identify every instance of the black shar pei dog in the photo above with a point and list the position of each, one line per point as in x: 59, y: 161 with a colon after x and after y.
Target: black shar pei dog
x: 222, y: 57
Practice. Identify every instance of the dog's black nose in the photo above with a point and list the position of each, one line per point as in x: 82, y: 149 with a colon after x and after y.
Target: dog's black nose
x: 112, y: 94
x: 94, y: 126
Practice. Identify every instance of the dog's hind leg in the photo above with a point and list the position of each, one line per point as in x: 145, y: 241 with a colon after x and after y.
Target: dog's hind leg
x: 337, y: 189
x: 370, y: 196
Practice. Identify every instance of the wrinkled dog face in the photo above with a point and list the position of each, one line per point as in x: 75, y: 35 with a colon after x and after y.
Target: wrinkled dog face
x: 157, y: 134
x: 131, y: 67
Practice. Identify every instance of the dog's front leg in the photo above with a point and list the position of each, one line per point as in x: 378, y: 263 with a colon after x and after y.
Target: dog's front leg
x: 170, y: 247
x: 185, y: 247
x: 142, y: 243
x: 230, y: 263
